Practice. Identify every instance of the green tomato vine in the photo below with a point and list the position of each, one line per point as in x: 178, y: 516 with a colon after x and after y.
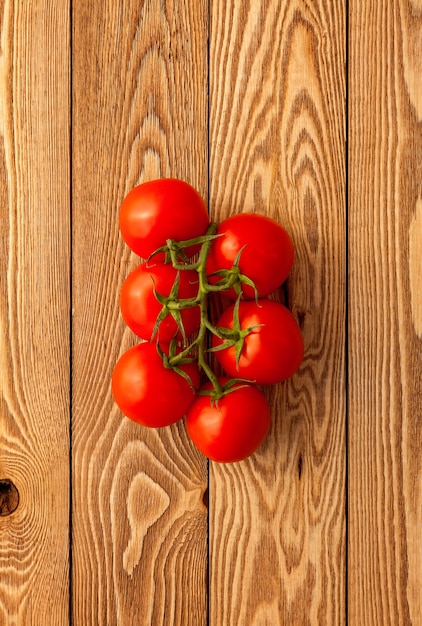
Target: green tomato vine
x: 173, y: 305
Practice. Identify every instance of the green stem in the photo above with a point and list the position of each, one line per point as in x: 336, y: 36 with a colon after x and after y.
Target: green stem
x: 236, y: 336
x: 201, y: 347
x: 205, y: 324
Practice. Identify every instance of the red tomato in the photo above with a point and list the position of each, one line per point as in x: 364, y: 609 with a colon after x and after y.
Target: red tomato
x: 232, y: 428
x: 271, y: 352
x: 140, y: 308
x: 159, y: 210
x: 148, y: 393
x: 266, y: 259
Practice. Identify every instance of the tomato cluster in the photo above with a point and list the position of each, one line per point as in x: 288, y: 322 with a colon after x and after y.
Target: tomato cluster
x: 165, y: 301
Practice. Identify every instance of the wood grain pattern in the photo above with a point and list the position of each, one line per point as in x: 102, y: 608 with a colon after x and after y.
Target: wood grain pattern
x: 133, y: 81
x: 34, y: 310
x: 139, y: 112
x: 277, y: 119
x: 385, y: 479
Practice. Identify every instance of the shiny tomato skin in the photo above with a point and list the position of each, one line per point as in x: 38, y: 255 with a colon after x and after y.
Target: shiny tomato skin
x: 271, y: 352
x: 162, y: 209
x: 266, y: 259
x: 148, y: 393
x: 140, y: 308
x: 232, y: 428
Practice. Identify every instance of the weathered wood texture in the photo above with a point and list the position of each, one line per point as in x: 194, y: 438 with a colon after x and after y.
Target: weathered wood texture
x: 34, y: 311
x: 385, y: 313
x: 139, y: 112
x: 277, y: 147
x: 247, y: 101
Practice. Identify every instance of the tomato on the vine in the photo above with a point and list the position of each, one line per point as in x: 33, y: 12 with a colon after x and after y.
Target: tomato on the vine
x: 273, y: 349
x: 140, y: 306
x: 162, y: 209
x: 147, y: 392
x: 231, y: 428
x: 266, y: 253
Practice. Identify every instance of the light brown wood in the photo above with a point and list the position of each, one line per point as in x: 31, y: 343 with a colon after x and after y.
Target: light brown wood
x: 277, y: 131
x: 34, y: 312
x: 385, y: 330
x: 139, y: 112
x: 127, y: 96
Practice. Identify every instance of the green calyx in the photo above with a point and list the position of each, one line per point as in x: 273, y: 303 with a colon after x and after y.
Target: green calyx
x: 234, y: 336
x: 167, y: 361
x: 173, y: 305
x: 233, y: 278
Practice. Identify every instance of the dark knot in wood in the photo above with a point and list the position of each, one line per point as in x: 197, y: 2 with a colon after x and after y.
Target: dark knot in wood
x: 9, y: 497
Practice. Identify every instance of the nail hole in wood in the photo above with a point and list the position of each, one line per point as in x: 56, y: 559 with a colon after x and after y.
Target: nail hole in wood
x: 285, y: 294
x: 205, y: 498
x: 9, y: 497
x: 299, y: 466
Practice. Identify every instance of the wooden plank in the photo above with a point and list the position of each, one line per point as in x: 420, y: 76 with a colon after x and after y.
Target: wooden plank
x: 139, y: 112
x: 34, y: 312
x: 277, y: 129
x: 385, y: 478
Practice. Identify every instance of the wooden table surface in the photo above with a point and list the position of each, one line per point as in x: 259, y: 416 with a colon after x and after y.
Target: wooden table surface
x: 309, y: 111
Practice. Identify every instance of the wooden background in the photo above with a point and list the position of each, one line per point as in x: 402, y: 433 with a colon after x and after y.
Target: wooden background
x: 306, y: 110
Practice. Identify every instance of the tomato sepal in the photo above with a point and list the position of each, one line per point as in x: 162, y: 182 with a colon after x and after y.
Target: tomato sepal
x: 226, y: 387
x: 174, y: 251
x: 166, y: 359
x: 173, y: 305
x: 233, y: 336
x: 184, y: 375
x: 233, y: 278
x: 227, y: 343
